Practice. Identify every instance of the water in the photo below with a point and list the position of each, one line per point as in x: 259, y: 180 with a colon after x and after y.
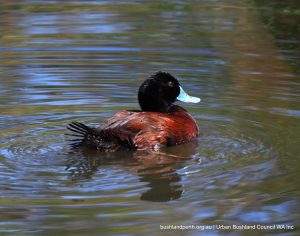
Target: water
x: 64, y: 61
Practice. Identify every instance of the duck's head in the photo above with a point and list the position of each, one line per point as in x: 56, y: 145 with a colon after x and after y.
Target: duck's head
x: 160, y: 91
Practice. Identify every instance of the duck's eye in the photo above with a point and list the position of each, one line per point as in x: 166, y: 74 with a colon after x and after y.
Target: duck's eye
x: 170, y: 84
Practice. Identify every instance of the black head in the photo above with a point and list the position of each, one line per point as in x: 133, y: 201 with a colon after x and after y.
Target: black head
x: 158, y: 92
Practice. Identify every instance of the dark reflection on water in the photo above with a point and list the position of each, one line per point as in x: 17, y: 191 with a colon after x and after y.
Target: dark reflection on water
x: 62, y: 61
x: 157, y: 169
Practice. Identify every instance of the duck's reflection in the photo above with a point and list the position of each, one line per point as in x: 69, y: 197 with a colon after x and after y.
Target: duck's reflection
x: 157, y: 169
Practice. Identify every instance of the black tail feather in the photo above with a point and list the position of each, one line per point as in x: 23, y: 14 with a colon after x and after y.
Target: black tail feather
x: 81, y: 132
x: 100, y: 139
x: 78, y: 127
x: 75, y: 130
x: 74, y: 140
x: 74, y: 135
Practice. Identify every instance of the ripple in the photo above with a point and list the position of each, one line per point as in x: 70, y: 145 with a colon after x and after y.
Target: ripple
x: 83, y: 60
x: 32, y: 145
x: 284, y: 112
x: 226, y: 143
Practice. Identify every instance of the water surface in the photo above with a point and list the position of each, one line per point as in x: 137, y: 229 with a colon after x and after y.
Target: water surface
x: 64, y: 61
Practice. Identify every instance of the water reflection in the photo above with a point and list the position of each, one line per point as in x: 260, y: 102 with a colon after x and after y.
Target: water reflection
x: 157, y: 169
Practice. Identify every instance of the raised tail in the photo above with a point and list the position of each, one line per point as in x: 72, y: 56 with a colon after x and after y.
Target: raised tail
x: 80, y: 134
x: 105, y: 140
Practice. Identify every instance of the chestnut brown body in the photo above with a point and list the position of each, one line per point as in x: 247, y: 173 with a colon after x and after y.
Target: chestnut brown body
x: 153, y: 130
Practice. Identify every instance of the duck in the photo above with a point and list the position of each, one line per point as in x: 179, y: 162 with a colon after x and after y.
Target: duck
x: 158, y: 124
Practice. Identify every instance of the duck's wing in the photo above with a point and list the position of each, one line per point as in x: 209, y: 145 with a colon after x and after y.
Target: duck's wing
x: 149, y: 130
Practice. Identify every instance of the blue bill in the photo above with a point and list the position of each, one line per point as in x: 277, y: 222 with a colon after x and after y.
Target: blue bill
x: 184, y: 97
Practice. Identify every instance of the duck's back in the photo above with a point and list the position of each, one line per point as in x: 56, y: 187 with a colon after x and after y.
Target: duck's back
x: 143, y: 130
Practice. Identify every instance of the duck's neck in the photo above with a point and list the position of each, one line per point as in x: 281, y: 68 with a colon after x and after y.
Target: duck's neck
x: 162, y: 107
x: 153, y: 102
x: 158, y: 107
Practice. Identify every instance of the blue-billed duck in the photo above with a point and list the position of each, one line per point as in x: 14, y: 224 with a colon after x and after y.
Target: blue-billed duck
x: 158, y: 124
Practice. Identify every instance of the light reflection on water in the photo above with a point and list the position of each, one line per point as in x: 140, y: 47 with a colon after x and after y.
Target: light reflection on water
x: 75, y: 60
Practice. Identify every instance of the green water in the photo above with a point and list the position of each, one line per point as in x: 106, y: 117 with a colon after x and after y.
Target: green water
x: 64, y: 61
